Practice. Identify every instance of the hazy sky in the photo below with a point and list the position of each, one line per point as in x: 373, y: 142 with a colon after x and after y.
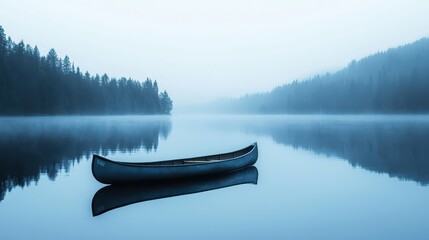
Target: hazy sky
x: 204, y: 50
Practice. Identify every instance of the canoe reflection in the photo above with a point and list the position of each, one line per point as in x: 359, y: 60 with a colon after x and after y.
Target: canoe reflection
x: 116, y: 196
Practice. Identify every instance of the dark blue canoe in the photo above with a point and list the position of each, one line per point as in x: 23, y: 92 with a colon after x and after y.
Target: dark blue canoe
x: 110, y: 172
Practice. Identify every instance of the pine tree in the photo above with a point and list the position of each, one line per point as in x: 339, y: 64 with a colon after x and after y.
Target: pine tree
x: 165, y: 103
x: 66, y: 68
x: 52, y: 59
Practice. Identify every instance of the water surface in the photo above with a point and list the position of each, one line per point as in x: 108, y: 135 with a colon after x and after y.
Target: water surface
x: 336, y: 177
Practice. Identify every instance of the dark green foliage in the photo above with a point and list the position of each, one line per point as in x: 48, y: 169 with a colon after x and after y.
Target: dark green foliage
x: 395, y: 81
x: 31, y: 85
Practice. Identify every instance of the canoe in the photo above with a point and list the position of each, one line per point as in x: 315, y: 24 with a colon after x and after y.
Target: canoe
x: 119, y: 195
x: 112, y: 172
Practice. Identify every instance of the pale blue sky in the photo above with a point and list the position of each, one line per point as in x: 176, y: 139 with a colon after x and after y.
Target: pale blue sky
x: 213, y: 49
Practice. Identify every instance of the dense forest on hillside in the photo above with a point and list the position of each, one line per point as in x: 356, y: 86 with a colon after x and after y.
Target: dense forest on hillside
x: 31, y: 84
x: 394, y: 81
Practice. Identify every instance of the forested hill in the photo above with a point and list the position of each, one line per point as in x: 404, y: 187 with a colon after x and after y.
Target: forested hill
x: 31, y: 84
x: 394, y: 81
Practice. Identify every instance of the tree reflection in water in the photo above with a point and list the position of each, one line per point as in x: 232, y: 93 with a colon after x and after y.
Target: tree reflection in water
x: 398, y: 146
x: 46, y: 145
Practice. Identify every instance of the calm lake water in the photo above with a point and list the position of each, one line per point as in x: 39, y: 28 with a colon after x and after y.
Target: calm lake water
x: 318, y: 177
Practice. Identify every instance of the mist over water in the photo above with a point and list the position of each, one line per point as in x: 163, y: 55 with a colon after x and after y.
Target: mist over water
x: 309, y: 166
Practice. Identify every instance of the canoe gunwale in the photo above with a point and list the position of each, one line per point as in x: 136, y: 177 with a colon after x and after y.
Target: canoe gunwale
x: 153, y: 165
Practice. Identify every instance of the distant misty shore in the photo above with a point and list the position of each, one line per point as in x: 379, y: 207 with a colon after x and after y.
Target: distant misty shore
x: 392, y: 82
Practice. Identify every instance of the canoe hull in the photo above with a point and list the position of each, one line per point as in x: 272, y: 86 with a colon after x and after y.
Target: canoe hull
x: 109, y: 172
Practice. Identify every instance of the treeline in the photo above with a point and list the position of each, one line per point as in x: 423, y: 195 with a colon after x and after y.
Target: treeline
x: 32, y: 84
x: 394, y: 81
